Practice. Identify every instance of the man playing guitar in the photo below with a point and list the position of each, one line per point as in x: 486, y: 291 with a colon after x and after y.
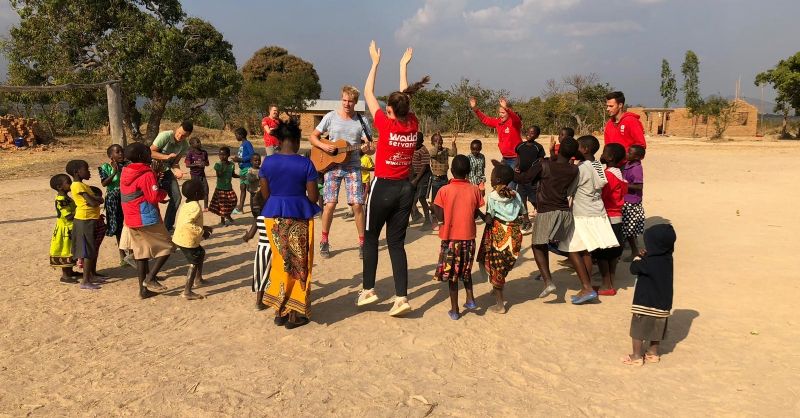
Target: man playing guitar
x: 344, y: 124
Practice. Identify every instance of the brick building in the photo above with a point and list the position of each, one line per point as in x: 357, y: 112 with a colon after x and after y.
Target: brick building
x: 677, y: 122
x: 312, y: 116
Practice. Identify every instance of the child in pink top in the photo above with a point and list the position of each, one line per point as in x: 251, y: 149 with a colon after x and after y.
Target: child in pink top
x: 456, y: 204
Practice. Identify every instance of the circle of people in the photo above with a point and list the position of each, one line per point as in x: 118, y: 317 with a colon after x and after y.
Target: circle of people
x: 585, y: 209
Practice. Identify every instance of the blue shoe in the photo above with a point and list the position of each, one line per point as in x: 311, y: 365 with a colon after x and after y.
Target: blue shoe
x: 471, y: 305
x: 454, y: 315
x: 583, y: 299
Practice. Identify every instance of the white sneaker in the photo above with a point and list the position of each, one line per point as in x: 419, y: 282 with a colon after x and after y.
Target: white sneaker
x: 365, y: 297
x: 400, y: 307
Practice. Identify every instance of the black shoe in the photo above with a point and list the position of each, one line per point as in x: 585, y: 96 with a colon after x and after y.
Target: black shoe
x: 325, y: 250
x: 281, y: 320
x: 300, y: 322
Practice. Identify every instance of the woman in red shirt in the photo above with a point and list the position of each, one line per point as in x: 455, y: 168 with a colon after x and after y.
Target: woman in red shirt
x: 391, y: 193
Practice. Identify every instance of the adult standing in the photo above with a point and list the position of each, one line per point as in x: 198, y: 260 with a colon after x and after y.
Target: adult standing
x: 343, y: 123
x: 168, y: 148
x: 391, y: 193
x: 508, y: 126
x: 622, y: 128
x: 269, y: 124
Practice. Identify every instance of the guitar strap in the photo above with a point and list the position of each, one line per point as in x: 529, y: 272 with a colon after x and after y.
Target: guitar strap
x: 364, y: 127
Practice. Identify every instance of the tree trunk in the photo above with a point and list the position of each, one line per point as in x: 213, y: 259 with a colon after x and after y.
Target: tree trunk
x: 785, y: 125
x: 158, y: 106
x: 131, y: 118
x: 694, y: 126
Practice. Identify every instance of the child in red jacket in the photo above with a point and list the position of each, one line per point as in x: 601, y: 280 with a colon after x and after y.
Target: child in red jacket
x: 140, y: 197
x: 613, y: 195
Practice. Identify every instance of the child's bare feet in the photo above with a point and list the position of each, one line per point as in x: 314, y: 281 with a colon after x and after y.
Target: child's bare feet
x: 499, y: 308
x: 192, y: 296
x: 68, y: 280
x: 260, y: 306
x: 144, y: 293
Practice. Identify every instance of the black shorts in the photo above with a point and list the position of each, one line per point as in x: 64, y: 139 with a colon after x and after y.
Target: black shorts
x: 194, y: 255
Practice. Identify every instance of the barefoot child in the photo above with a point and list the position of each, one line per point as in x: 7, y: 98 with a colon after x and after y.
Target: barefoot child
x: 613, y: 195
x: 457, y: 205
x: 109, y: 178
x: 652, y: 298
x: 61, y: 242
x: 502, y: 237
x: 591, y: 229
x: 243, y: 156
x: 189, y: 231
x: 632, y: 210
x: 197, y: 161
x: 224, y: 200
x: 86, y: 214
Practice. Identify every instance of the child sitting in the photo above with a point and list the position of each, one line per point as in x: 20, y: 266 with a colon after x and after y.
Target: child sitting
x: 632, y: 210
x: 456, y: 205
x: 613, y: 195
x: 61, y: 242
x: 189, y: 231
x: 87, y: 213
x: 652, y: 298
x: 224, y: 200
x: 502, y: 237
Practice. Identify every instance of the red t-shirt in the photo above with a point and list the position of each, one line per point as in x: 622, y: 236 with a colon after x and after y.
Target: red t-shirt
x: 614, y: 191
x: 268, y: 123
x: 396, y: 144
x: 458, y: 199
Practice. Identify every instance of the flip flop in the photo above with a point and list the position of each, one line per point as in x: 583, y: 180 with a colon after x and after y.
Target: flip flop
x: 89, y: 286
x: 454, y: 315
x: 607, y: 292
x: 651, y: 358
x: 631, y: 362
x: 471, y: 305
x: 583, y: 299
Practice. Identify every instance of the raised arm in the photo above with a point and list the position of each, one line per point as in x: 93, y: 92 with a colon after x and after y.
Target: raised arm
x: 490, y: 122
x: 369, y: 86
x: 404, y: 68
x: 515, y: 120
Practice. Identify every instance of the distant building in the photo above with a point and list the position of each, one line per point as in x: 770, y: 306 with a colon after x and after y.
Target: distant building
x: 312, y: 116
x: 677, y: 122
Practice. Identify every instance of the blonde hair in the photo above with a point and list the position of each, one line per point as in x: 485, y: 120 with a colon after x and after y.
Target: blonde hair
x: 351, y: 92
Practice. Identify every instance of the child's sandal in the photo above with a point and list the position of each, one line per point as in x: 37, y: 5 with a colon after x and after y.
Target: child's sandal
x: 651, y: 358
x: 633, y: 362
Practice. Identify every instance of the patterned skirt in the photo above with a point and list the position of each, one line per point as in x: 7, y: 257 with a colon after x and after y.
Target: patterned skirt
x: 114, y: 217
x: 632, y: 219
x: 455, y: 262
x: 61, y: 245
x: 223, y: 202
x: 499, y: 250
x: 292, y: 245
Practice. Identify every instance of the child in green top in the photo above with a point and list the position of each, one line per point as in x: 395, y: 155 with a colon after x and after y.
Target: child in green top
x: 224, y: 200
x: 109, y: 177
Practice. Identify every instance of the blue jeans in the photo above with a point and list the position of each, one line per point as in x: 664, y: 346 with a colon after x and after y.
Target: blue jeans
x: 511, y: 162
x: 170, y: 184
x: 437, y: 182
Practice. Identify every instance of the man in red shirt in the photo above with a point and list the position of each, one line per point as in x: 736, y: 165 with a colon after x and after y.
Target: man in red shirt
x: 508, y: 126
x: 622, y: 128
x: 268, y: 124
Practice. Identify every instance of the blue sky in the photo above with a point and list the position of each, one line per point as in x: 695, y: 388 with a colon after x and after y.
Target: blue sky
x: 513, y: 44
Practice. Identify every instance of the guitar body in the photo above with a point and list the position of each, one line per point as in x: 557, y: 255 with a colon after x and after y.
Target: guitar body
x: 323, y: 160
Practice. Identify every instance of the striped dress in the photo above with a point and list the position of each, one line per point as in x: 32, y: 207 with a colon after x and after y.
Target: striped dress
x: 263, y: 258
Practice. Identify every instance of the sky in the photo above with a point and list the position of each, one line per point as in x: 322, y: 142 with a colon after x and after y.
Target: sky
x: 515, y: 45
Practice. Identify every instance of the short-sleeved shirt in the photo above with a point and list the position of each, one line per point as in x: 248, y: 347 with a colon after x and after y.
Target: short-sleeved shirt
x: 477, y: 169
x: 224, y: 175
x: 440, y: 160
x: 556, y: 182
x: 396, y: 145
x: 268, y: 123
x: 419, y: 160
x: 105, y: 171
x: 82, y: 208
x: 192, y: 157
x: 366, y: 163
x: 588, y: 200
x: 245, y: 154
x: 633, y: 174
x: 287, y: 176
x: 458, y: 199
x: 188, y: 225
x: 348, y: 129
x: 166, y: 144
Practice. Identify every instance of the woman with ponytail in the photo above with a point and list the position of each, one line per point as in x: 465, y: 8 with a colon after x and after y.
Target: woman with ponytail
x: 391, y: 192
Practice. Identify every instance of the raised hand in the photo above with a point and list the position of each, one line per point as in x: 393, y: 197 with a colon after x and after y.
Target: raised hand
x: 503, y: 102
x: 407, y: 56
x: 472, y: 103
x: 375, y: 53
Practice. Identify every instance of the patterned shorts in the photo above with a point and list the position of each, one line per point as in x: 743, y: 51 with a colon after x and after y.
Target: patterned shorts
x: 352, y: 184
x: 455, y: 262
x: 632, y: 219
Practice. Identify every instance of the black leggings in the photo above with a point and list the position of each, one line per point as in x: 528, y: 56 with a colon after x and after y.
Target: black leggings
x: 389, y: 204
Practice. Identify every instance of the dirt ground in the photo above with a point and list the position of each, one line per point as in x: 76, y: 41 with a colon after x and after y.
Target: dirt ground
x: 732, y: 348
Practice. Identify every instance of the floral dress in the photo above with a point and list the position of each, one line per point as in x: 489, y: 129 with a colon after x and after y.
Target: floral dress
x: 61, y: 241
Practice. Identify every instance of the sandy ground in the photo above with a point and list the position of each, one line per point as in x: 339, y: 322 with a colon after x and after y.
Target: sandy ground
x: 732, y: 348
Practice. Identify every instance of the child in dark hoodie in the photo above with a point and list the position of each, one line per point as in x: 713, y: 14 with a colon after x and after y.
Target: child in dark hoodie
x: 652, y: 299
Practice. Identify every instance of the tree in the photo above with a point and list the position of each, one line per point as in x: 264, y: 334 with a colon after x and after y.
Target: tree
x: 428, y: 104
x: 691, y: 86
x: 785, y: 79
x: 669, y: 88
x: 148, y: 45
x: 722, y: 110
x: 273, y: 76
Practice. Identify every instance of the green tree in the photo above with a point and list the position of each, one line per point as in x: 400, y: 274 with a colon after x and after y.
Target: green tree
x: 721, y: 111
x: 669, y: 88
x: 429, y: 105
x: 273, y: 76
x: 691, y: 86
x: 785, y: 79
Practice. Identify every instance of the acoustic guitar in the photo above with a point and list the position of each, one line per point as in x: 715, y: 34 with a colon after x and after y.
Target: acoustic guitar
x: 324, y: 160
